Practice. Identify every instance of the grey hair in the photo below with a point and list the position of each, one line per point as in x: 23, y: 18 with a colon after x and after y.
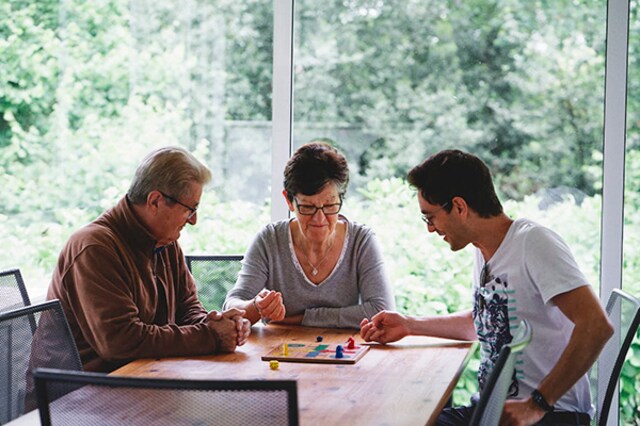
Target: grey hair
x: 171, y: 170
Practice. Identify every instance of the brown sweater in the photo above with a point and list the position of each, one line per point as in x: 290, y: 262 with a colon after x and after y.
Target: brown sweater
x: 125, y: 299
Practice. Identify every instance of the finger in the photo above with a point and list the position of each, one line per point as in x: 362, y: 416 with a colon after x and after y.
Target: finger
x: 379, y: 317
x: 364, y: 322
x: 371, y: 333
x: 214, y: 315
x: 230, y: 313
x: 277, y: 314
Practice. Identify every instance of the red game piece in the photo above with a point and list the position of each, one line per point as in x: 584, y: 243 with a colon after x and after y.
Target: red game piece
x: 351, y: 344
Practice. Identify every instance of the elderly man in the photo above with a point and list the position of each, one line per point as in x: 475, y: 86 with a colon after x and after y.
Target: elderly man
x: 123, y: 281
x: 522, y: 271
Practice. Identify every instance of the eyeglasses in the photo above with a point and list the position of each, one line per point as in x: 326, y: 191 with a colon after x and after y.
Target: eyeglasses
x: 192, y: 210
x: 310, y: 210
x: 427, y: 220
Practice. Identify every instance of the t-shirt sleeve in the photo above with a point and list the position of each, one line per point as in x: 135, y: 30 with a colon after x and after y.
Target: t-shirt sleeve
x: 550, y: 264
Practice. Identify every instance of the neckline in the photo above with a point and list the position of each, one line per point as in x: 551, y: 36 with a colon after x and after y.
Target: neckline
x: 296, y: 262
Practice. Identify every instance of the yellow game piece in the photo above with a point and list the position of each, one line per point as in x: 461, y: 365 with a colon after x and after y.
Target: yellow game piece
x: 285, y: 350
x: 274, y: 364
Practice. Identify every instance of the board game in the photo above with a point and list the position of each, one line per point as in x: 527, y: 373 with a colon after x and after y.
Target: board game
x: 316, y: 352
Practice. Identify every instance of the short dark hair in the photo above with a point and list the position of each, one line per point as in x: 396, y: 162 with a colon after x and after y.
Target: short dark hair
x: 312, y: 166
x: 453, y: 173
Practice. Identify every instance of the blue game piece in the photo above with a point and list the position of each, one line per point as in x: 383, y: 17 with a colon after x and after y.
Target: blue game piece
x: 319, y: 339
x: 339, y: 351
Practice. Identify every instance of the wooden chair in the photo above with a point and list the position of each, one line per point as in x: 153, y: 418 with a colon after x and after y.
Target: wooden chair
x: 624, y: 313
x: 13, y: 293
x: 492, y: 398
x: 94, y: 398
x: 21, y: 350
x: 215, y: 275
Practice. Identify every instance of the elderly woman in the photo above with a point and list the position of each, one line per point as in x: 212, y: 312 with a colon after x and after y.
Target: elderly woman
x: 317, y: 268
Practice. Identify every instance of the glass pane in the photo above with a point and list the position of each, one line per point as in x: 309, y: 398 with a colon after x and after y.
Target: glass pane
x: 629, y: 389
x: 94, y: 86
x: 518, y: 83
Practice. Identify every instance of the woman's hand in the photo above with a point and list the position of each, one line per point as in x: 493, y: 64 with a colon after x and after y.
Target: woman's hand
x: 269, y: 305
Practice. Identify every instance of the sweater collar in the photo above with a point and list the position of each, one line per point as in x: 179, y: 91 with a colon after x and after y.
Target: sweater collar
x: 130, y: 226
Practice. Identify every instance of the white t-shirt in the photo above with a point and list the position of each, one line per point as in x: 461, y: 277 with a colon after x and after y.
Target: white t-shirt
x: 531, y: 266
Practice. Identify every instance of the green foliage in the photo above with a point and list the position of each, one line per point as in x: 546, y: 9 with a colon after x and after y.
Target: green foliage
x: 88, y: 88
x: 214, y: 279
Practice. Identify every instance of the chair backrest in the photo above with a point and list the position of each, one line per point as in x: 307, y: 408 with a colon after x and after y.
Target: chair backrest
x: 51, y: 345
x: 215, y: 275
x: 489, y: 408
x: 116, y: 400
x: 13, y: 293
x: 623, y: 311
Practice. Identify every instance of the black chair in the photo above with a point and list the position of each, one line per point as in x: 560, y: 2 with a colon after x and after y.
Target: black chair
x: 624, y: 313
x: 489, y: 408
x: 215, y: 275
x: 13, y: 293
x: 51, y: 345
x: 117, y: 400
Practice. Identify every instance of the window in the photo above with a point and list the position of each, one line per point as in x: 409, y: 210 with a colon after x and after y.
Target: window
x: 93, y: 87
x: 520, y: 85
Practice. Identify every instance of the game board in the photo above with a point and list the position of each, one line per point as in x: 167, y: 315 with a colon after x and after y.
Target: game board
x: 316, y: 352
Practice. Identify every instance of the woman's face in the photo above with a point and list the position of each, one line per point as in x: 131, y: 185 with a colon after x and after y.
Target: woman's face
x: 318, y: 226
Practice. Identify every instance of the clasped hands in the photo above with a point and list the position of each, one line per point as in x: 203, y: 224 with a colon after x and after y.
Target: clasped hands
x: 231, y: 328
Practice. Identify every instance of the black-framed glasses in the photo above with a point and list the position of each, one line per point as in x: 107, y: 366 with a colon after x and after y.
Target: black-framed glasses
x: 310, y: 210
x: 192, y: 210
x: 427, y: 220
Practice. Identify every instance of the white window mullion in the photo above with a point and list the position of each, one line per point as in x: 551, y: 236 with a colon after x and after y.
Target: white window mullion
x: 611, y: 256
x: 282, y: 98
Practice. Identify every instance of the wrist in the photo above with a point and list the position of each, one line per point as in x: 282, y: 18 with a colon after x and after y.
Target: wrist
x: 255, y: 305
x: 540, y: 401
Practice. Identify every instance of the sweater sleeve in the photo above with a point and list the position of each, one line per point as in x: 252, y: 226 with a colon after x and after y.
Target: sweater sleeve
x: 189, y: 309
x: 254, y: 273
x: 105, y: 301
x: 373, y: 286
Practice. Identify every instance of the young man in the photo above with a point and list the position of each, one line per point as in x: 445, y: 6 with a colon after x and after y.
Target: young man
x: 522, y: 270
x: 123, y: 282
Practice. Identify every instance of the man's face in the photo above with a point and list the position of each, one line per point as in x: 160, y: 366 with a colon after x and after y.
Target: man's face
x: 173, y: 216
x: 444, y: 223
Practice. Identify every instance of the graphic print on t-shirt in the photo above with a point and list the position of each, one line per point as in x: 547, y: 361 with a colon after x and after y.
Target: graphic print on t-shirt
x: 491, y: 320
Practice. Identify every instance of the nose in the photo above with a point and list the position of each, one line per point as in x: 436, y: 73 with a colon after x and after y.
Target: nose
x: 318, y: 216
x: 431, y: 228
x: 193, y: 219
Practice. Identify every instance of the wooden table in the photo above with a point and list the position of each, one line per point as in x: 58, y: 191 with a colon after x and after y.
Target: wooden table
x: 405, y: 383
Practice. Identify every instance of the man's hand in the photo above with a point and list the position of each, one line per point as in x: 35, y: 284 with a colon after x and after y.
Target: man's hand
x: 243, y: 325
x: 384, y: 327
x: 230, y: 328
x: 521, y: 412
x: 270, y: 306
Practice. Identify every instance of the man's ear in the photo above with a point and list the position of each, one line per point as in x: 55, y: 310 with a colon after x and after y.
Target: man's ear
x: 459, y: 205
x: 153, y: 200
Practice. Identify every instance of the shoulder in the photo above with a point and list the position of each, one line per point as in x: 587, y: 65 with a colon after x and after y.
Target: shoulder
x: 355, y: 229
x: 534, y: 234
x: 360, y: 236
x: 93, y: 234
x: 275, y: 229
